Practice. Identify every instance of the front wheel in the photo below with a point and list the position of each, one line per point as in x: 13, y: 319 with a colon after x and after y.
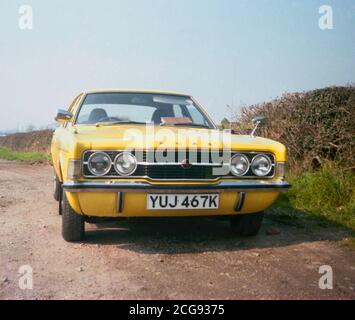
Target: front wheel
x: 247, y: 224
x: 73, y: 224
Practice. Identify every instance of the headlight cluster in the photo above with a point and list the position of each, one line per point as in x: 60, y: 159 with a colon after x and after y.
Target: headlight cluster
x: 100, y: 163
x: 124, y: 164
x: 260, y: 165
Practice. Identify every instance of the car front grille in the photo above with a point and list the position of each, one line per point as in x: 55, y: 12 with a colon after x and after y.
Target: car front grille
x: 203, y: 164
x: 176, y: 172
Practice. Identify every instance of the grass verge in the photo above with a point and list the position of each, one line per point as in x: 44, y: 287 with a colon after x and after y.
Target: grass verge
x: 348, y: 242
x: 326, y: 196
x: 8, y: 154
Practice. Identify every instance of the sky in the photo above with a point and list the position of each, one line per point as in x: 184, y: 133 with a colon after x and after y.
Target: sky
x: 223, y: 52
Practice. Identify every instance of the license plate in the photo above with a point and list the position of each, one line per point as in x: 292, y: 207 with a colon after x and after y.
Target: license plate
x: 182, y: 201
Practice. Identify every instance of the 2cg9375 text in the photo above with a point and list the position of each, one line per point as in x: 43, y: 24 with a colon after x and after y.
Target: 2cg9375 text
x: 198, y: 309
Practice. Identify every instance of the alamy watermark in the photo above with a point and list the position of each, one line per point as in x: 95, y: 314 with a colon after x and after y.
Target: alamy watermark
x: 25, y: 21
x: 25, y: 281
x: 326, y: 280
x: 325, y: 21
x: 181, y: 145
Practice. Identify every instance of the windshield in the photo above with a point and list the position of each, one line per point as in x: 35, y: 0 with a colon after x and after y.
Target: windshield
x: 157, y: 109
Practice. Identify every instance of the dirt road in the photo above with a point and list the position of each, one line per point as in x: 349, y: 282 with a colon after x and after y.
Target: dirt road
x: 169, y: 259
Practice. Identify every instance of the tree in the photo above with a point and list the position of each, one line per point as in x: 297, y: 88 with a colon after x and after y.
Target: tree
x: 225, y: 124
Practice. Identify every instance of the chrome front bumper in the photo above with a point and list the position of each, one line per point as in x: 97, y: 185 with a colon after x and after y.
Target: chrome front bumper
x: 123, y: 186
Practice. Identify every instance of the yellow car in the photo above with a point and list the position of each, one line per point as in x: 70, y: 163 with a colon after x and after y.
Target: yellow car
x: 140, y: 153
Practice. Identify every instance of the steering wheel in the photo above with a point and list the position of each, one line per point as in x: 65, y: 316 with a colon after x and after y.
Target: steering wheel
x: 109, y: 119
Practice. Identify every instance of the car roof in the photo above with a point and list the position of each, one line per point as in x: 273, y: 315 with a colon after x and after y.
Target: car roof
x: 135, y: 91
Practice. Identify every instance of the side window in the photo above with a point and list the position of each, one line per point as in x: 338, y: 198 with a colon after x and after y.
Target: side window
x: 196, y: 116
x: 177, y: 111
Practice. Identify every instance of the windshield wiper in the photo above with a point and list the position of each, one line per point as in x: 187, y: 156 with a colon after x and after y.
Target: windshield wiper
x: 112, y: 123
x: 186, y: 125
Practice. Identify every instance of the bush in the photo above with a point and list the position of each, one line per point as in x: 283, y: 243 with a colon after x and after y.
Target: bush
x: 36, y: 141
x: 315, y: 126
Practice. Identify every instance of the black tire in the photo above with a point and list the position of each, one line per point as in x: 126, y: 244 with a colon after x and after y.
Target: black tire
x: 247, y: 224
x: 57, y: 189
x: 73, y: 224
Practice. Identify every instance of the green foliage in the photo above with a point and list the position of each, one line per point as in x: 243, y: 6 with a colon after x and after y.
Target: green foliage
x: 327, y: 194
x: 8, y: 154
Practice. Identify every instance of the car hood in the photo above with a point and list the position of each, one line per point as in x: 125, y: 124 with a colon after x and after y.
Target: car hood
x: 119, y: 137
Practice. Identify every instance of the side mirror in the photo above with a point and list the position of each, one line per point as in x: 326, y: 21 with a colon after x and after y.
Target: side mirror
x: 63, y: 116
x: 256, y: 121
x: 259, y: 119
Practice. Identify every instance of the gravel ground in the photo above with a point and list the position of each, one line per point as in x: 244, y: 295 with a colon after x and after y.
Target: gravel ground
x: 157, y: 258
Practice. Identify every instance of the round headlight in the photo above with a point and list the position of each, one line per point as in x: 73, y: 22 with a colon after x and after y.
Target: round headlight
x: 99, y: 163
x: 239, y: 165
x: 261, y: 165
x: 125, y: 163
